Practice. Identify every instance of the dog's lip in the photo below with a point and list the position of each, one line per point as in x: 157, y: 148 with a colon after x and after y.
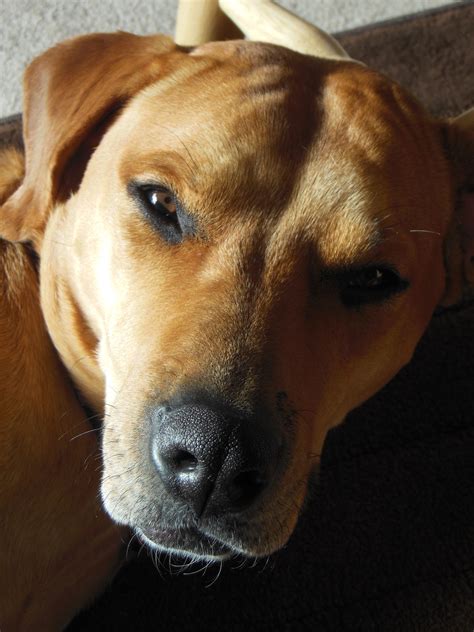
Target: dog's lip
x: 185, y: 541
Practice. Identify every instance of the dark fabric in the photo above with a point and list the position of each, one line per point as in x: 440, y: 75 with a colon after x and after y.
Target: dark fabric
x: 386, y: 542
x: 432, y: 56
x: 10, y: 131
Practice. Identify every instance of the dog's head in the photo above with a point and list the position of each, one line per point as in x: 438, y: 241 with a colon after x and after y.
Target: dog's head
x: 238, y: 246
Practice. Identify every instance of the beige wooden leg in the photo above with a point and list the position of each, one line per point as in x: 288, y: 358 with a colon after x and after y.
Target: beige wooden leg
x: 200, y: 21
x: 266, y: 21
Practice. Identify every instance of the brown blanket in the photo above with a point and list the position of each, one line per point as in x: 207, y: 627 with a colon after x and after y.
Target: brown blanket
x: 387, y: 539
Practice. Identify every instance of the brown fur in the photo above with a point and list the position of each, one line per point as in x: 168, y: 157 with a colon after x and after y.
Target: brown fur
x: 57, y: 547
x: 294, y: 169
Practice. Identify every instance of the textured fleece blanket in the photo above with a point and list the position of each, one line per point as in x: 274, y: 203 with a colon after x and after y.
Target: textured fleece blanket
x: 386, y: 542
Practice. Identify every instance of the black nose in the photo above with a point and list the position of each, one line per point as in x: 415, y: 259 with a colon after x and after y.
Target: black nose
x: 211, y: 461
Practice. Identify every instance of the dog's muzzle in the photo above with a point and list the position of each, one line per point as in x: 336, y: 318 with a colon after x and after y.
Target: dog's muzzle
x: 210, y: 461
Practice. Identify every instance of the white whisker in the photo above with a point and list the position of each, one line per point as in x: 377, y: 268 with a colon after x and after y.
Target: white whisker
x: 84, y: 433
x: 432, y: 232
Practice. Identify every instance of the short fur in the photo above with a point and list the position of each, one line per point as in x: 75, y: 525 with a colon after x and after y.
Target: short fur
x: 295, y: 170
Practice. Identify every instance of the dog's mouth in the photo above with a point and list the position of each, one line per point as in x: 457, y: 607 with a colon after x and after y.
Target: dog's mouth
x: 187, y: 541
x: 207, y: 485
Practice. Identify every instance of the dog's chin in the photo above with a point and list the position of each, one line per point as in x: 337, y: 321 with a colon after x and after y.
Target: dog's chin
x: 188, y: 542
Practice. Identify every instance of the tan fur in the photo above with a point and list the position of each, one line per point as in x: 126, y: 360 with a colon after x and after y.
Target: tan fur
x: 294, y: 169
x: 12, y: 170
x: 57, y: 548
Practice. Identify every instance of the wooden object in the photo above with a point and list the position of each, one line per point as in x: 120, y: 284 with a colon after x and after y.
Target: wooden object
x: 200, y: 21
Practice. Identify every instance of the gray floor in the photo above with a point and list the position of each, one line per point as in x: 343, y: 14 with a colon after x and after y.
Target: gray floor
x: 29, y: 26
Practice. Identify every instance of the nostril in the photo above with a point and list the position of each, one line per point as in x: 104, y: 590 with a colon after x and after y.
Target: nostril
x: 245, y: 488
x: 183, y: 461
x: 173, y: 460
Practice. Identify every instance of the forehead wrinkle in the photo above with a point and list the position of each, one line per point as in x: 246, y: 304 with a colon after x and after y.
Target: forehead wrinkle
x: 242, y: 139
x: 227, y: 164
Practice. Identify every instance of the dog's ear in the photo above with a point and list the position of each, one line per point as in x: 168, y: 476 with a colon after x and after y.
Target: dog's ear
x: 71, y: 93
x: 459, y: 245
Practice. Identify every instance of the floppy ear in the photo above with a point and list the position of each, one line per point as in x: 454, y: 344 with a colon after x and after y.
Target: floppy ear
x: 71, y: 92
x: 459, y: 246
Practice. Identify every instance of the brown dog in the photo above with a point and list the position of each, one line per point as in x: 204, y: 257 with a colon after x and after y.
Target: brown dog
x: 238, y: 245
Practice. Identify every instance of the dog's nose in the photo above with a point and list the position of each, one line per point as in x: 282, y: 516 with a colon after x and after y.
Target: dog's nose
x: 212, y: 461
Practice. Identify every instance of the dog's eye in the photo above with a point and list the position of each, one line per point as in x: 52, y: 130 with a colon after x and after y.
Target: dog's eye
x: 372, y: 284
x: 161, y: 208
x: 161, y: 202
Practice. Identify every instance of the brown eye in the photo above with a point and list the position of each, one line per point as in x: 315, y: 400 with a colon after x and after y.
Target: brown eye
x: 372, y: 278
x: 162, y: 202
x: 371, y: 284
x: 160, y: 207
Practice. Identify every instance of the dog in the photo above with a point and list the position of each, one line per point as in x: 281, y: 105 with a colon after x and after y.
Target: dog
x: 237, y: 245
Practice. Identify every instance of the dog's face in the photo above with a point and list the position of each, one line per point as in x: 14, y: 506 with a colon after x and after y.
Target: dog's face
x: 254, y: 249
